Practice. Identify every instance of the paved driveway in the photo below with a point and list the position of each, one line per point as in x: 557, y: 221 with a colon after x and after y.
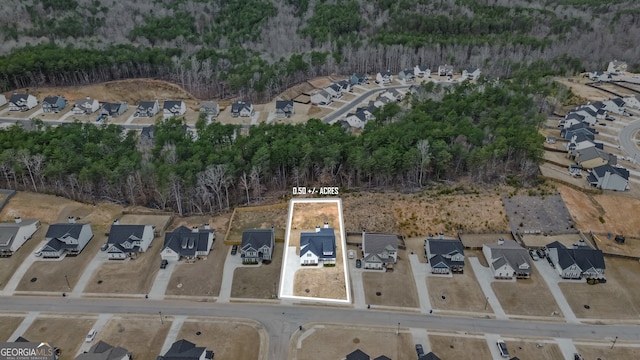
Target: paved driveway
x: 230, y: 264
x: 12, y: 284
x: 552, y: 278
x: 161, y: 281
x: 485, y: 278
x: 420, y: 272
x: 359, y: 299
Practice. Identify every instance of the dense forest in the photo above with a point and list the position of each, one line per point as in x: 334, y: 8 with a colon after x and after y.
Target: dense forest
x: 257, y: 48
x: 485, y: 131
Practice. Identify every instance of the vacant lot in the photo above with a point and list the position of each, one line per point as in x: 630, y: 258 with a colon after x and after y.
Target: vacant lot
x: 9, y: 324
x: 529, y: 297
x: 143, y: 336
x: 258, y: 282
x: 396, y: 288
x: 452, y: 347
x: 605, y: 352
x: 259, y: 217
x: 584, y: 92
x: 65, y: 333
x: 616, y: 89
x: 461, y: 292
x: 616, y: 299
x: 545, y: 214
x: 528, y: 349
x: 375, y: 341
x: 9, y: 265
x: 555, y: 172
x: 229, y: 339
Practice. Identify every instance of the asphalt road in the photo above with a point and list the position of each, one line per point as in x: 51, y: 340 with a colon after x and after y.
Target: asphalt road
x: 627, y: 140
x: 281, y: 321
x: 355, y: 102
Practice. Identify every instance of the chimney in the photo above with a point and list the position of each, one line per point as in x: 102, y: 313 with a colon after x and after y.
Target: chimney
x: 326, y: 225
x: 88, y: 98
x: 317, y: 228
x: 440, y: 236
x: 18, y: 219
x: 116, y: 222
x: 207, y: 227
x: 72, y: 220
x: 194, y: 229
x: 500, y: 241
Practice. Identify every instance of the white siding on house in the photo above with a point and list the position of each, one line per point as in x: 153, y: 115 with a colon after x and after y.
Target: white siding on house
x: 169, y: 255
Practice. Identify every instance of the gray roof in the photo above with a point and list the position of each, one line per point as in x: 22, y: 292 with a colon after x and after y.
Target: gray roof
x: 257, y: 238
x: 317, y: 242
x: 122, y: 233
x: 408, y: 72
x: 8, y: 231
x: 509, y: 252
x: 52, y: 100
x: 183, y: 350
x: 601, y: 170
x: 64, y: 229
x: 186, y: 242
x: 358, y: 354
x: 335, y: 87
x: 471, y: 70
x: 172, y: 105
x: 445, y: 247
x: 283, y: 104
x: 16, y: 98
x: 212, y: 105
x: 591, y: 153
x: 378, y: 243
x: 588, y: 110
x: 111, y: 108
x: 103, y: 351
x: 384, y: 357
x: 429, y: 356
x: 583, y: 256
x: 618, y: 101
x: 238, y: 106
x: 385, y: 73
x: 573, y: 115
x: 146, y: 105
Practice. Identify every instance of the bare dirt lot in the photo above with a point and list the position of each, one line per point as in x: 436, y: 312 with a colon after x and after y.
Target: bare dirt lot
x: 9, y: 324
x: 201, y: 278
x: 228, y: 339
x: 461, y: 292
x: 258, y: 282
x: 605, y: 352
x: 529, y: 297
x: 375, y: 341
x: 545, y: 214
x: 258, y: 217
x: 454, y: 347
x: 616, y: 89
x: 475, y: 241
x: 616, y: 299
x: 143, y: 336
x: 396, y: 288
x: 65, y: 333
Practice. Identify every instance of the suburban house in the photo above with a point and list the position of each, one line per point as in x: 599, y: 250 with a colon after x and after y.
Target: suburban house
x: 615, y: 105
x: 147, y: 135
x: 3, y: 100
x: 53, y: 104
x: 632, y: 101
x: 22, y: 102
x: 590, y: 116
x: 127, y: 240
x: 186, y: 350
x: 507, y: 259
x: 384, y: 77
x: 85, y: 106
x: 210, y: 108
x: 69, y: 238
x: 445, y: 256
x: 358, y: 354
x: 318, y: 246
x: 598, y: 107
x: 572, y: 116
x: 578, y: 142
x: 345, y: 85
x: 358, y: 119
x: 617, y: 67
x: 257, y: 245
x: 422, y: 71
x: 392, y: 95
x: 471, y: 73
x: 103, y: 351
x: 579, y: 129
x: 113, y: 109
x: 575, y: 170
x: 577, y: 261
x: 14, y: 235
x: 379, y: 250
x: 334, y: 91
x: 599, y: 76
x: 172, y: 108
x: 321, y: 97
x: 147, y: 109
x: 607, y: 177
x: 358, y: 79
x: 284, y: 108
x: 432, y: 356
x: 187, y: 243
x: 407, y: 75
x: 242, y: 109
x: 445, y: 70
x: 592, y: 157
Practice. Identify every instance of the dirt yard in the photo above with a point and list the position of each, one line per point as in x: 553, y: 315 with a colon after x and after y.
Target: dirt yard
x: 9, y: 324
x: 475, y: 241
x: 605, y: 352
x: 9, y: 265
x: 143, y: 336
x: 259, y: 217
x: 159, y: 221
x: 461, y: 292
x: 616, y: 299
x: 396, y: 288
x: 201, y: 278
x: 616, y: 89
x: 454, y: 347
x: 228, y: 339
x: 375, y: 341
x: 530, y: 297
x: 583, y: 92
x: 528, y: 349
x: 258, y: 282
x: 65, y: 333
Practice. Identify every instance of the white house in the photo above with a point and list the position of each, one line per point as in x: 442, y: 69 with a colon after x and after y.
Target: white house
x: 172, y: 108
x: 14, y: 235
x: 22, y: 102
x: 210, y: 108
x: 615, y: 105
x: 384, y: 77
x: 471, y: 73
x: 257, y: 245
x: 422, y: 71
x: 104, y: 351
x: 3, y: 100
x: 445, y: 70
x: 607, y: 177
x: 407, y: 75
x: 70, y: 238
x: 321, y: 97
x: 617, y: 67
x: 358, y: 119
x: 379, y: 250
x: 284, y: 108
x: 579, y: 142
x: 241, y: 109
x: 345, y: 85
x: 128, y: 240
x: 600, y: 76
x: 86, y: 106
x: 577, y: 261
x: 187, y: 243
x: 632, y: 101
x: 444, y: 255
x: 335, y: 91
x: 318, y: 246
x: 147, y: 109
x: 507, y: 259
x: 588, y: 114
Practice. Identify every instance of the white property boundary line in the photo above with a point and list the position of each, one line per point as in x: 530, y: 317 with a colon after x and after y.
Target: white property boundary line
x: 281, y: 291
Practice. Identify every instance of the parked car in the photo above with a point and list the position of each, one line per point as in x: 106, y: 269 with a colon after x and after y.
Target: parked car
x: 234, y: 249
x: 358, y: 263
x: 534, y: 255
x: 419, y: 350
x: 502, y: 348
x: 91, y: 335
x: 104, y: 247
x: 541, y: 253
x: 577, y: 356
x: 610, y: 118
x: 163, y: 264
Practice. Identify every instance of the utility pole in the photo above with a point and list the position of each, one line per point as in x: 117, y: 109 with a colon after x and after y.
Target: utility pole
x: 614, y: 342
x: 398, y: 333
x: 486, y: 303
x: 67, y: 279
x: 161, y: 321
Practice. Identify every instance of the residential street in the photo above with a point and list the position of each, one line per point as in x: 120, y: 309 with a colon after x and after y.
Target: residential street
x: 627, y: 141
x: 281, y: 321
x: 355, y: 102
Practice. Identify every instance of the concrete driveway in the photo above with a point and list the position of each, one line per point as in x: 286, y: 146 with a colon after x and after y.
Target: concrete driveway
x: 420, y: 272
x: 100, y: 258
x: 552, y: 278
x: 231, y: 262
x: 161, y: 281
x: 12, y: 284
x: 359, y: 299
x: 485, y: 278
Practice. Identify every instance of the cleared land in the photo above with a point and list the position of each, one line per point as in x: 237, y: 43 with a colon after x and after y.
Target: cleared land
x: 475, y: 241
x: 545, y: 214
x: 65, y: 333
x: 396, y: 288
x: 616, y: 89
x: 143, y: 336
x: 528, y: 349
x: 461, y: 292
x: 374, y: 341
x: 9, y: 324
x: 616, y: 299
x: 583, y: 92
x: 258, y: 217
x: 530, y: 297
x: 229, y: 339
x: 258, y: 282
x: 605, y: 352
x: 452, y: 347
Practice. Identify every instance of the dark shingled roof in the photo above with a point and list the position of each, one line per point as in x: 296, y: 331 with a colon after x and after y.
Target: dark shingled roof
x: 183, y: 350
x: 358, y: 355
x: 186, y: 242
x: 257, y: 238
x: 318, y: 242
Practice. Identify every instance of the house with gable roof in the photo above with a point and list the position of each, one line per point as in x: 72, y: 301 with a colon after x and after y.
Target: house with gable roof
x: 593, y: 157
x: 379, y: 250
x: 445, y: 256
x: 284, y: 108
x: 445, y: 70
x: 22, y: 102
x: 66, y: 238
x: 407, y: 75
x: 384, y: 77
x: 114, y: 109
x: 186, y: 350
x: 507, y: 259
x: 607, y: 177
x: 358, y: 79
x: 471, y: 73
x: 173, y: 108
x: 321, y: 97
x: 104, y: 351
x: 257, y: 245
x: 128, y: 240
x: 147, y: 109
x: 210, y: 108
x: 241, y: 109
x: 318, y: 246
x: 53, y: 104
x: 600, y: 76
x: 577, y: 261
x: 185, y: 243
x: 86, y: 106
x: 13, y: 235
x: 615, y: 105
x: 422, y: 71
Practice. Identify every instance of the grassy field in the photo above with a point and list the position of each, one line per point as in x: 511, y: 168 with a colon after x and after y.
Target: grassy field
x: 396, y: 288
x: 529, y: 297
x: 453, y: 347
x: 258, y: 282
x: 143, y: 336
x: 227, y: 338
x: 9, y: 324
x: 461, y: 292
x: 66, y: 333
